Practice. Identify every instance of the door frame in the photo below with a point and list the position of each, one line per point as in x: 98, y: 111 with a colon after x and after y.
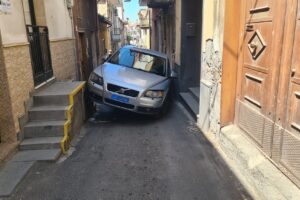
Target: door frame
x: 231, y: 50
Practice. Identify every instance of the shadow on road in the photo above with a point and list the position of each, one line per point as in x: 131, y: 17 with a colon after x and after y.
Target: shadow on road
x: 106, y: 114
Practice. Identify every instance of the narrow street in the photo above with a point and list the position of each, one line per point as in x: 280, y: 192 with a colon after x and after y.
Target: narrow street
x: 136, y: 157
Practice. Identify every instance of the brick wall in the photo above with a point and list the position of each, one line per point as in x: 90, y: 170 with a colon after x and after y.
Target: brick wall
x: 63, y: 59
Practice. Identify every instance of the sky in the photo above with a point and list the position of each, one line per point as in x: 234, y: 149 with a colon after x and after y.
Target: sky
x: 131, y: 10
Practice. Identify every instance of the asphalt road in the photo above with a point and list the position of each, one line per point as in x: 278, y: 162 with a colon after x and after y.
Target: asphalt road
x: 128, y: 156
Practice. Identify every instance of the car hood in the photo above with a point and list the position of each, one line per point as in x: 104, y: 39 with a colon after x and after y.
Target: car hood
x: 128, y: 77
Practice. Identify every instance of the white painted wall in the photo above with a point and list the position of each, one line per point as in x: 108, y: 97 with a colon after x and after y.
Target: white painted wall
x: 58, y: 19
x: 12, y: 25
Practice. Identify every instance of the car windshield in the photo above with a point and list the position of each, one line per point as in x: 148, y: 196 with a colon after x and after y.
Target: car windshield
x: 140, y: 61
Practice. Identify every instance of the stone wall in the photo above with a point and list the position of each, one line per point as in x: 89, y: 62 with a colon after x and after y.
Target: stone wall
x: 16, y: 85
x: 6, y: 118
x: 210, y: 87
x: 211, y: 66
x: 211, y: 78
x: 63, y: 59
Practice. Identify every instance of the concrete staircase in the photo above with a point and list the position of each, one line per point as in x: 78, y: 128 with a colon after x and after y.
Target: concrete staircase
x: 47, y: 116
x: 43, y: 132
x: 190, y: 100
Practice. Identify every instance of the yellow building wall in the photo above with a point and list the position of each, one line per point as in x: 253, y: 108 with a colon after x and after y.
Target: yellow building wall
x: 103, y: 9
x: 178, y: 31
x: 212, y: 28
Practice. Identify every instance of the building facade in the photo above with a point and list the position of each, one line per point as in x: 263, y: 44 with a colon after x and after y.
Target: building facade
x: 240, y: 59
x: 145, y: 27
x: 133, y: 33
x: 250, y: 76
x: 104, y: 36
x: 176, y: 31
x: 37, y: 45
x: 85, y: 19
x: 113, y: 10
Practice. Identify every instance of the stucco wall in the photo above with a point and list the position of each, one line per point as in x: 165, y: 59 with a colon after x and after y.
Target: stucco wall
x: 12, y: 25
x: 212, y: 40
x: 58, y: 19
x: 16, y: 69
x: 213, y: 23
x: 7, y: 128
x: 63, y: 59
x: 20, y: 80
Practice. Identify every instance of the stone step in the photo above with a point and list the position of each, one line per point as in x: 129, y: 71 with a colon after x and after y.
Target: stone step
x: 16, y: 169
x: 195, y: 91
x: 37, y: 155
x: 44, y: 129
x: 40, y: 113
x: 40, y: 143
x: 50, y: 100
x: 11, y: 175
x: 190, y: 103
x: 55, y: 94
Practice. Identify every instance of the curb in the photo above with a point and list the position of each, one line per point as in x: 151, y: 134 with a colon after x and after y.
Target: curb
x: 257, y: 173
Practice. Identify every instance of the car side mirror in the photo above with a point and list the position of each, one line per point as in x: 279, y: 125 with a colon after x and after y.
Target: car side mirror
x: 173, y: 74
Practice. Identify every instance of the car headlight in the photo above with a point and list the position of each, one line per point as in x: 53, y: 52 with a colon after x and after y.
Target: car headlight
x: 96, y: 79
x: 154, y: 94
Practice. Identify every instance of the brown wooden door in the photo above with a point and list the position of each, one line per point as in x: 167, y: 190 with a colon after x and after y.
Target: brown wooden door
x: 259, y: 61
x: 286, y: 142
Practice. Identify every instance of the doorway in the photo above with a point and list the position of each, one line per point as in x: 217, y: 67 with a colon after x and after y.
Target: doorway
x: 191, y: 44
x: 38, y: 37
x: 268, y: 86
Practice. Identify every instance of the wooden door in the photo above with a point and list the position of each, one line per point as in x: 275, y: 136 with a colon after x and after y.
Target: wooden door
x: 259, y: 61
x: 286, y: 141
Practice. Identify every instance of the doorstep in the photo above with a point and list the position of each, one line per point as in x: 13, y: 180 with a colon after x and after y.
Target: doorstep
x: 256, y: 171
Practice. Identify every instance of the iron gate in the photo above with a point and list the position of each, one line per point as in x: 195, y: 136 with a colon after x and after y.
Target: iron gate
x: 38, y: 38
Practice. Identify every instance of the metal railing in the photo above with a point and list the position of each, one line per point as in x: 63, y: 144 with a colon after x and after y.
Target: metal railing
x: 38, y: 37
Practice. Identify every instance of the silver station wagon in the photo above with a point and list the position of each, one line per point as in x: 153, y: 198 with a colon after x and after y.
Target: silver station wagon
x: 133, y: 79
